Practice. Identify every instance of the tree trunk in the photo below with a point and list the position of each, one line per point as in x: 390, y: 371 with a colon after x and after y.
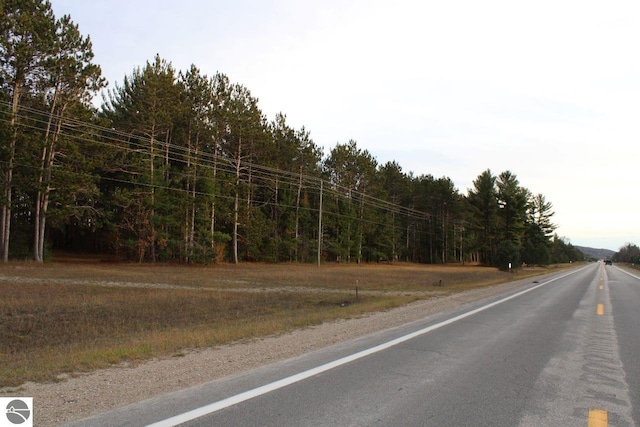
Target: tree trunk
x: 360, y: 228
x: 236, y: 206
x: 247, y: 215
x: 297, y: 226
x: 349, y: 232
x: 275, y: 212
x: 8, y: 185
x: 44, y: 178
x: 407, y: 240
x: 192, y: 232
x: 213, y: 198
x: 152, y: 237
x: 189, y: 216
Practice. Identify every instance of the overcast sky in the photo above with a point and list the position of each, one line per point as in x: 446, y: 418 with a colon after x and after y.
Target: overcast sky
x: 549, y: 90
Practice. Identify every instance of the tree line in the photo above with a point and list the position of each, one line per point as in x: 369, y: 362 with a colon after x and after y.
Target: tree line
x: 180, y: 166
x: 629, y: 253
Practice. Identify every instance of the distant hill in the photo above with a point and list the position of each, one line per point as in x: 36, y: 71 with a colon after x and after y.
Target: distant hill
x: 595, y: 253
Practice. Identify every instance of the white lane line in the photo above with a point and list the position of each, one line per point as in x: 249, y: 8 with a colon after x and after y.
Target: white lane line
x: 626, y: 272
x: 267, y: 388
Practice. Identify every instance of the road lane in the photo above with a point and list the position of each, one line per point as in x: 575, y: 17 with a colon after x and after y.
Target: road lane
x: 586, y: 374
x: 543, y: 358
x: 625, y: 301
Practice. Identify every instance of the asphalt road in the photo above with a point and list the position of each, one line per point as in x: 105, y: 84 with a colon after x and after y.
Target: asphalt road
x: 562, y: 352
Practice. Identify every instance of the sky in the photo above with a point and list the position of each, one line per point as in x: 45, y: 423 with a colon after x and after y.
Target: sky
x: 549, y: 90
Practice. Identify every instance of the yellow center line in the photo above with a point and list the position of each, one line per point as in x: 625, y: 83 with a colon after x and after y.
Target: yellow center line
x: 600, y: 309
x: 601, y: 287
x: 597, y: 418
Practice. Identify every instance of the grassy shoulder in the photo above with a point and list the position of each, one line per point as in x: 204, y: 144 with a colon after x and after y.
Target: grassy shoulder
x: 62, y: 318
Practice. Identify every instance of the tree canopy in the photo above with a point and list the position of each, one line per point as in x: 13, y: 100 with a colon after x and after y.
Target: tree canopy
x: 180, y: 166
x: 629, y: 253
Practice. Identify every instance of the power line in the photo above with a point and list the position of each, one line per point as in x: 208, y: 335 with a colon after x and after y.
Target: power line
x: 258, y: 177
x: 122, y: 141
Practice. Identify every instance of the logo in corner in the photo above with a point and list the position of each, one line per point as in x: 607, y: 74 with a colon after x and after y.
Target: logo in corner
x: 18, y: 411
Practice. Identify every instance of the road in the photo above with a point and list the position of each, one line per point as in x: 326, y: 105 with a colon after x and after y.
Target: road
x: 562, y: 352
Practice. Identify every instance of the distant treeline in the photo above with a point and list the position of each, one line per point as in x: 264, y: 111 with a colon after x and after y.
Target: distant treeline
x: 180, y: 166
x: 629, y: 253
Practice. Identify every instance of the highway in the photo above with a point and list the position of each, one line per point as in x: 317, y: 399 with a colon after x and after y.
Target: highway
x: 562, y: 352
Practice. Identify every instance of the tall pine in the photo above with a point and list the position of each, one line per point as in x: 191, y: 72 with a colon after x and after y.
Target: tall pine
x: 27, y: 33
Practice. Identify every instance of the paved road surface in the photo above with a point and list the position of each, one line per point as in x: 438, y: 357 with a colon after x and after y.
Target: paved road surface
x: 563, y: 352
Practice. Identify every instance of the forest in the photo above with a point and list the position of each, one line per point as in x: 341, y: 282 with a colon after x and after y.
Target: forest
x: 629, y: 253
x: 180, y: 166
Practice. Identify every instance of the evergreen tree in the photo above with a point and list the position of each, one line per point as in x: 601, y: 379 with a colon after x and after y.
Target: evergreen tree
x: 482, y: 202
x: 538, y: 231
x: 293, y: 153
x: 197, y: 161
x: 562, y: 251
x: 351, y: 173
x: 507, y: 255
x: 243, y: 139
x: 220, y: 187
x: 306, y: 163
x: 72, y: 81
x: 189, y: 164
x: 539, y: 212
x: 146, y: 107
x: 396, y: 186
x: 512, y: 200
x: 535, y: 246
x: 442, y: 203
x: 27, y: 32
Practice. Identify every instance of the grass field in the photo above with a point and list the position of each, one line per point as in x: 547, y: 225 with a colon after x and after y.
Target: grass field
x: 67, y: 317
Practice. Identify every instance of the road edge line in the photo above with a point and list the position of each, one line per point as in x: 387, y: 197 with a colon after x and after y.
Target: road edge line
x: 267, y: 388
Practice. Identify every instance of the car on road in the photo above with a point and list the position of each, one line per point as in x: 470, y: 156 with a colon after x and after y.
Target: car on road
x: 608, y: 262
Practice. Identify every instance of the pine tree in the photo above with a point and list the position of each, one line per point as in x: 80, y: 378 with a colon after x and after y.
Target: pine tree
x: 27, y: 31
x: 243, y: 136
x: 482, y: 202
x: 199, y: 135
x: 72, y: 80
x: 352, y: 175
x: 539, y: 212
x: 146, y: 107
x: 512, y: 200
x: 396, y: 186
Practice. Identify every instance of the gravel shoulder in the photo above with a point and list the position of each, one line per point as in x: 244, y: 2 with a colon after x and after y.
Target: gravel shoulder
x: 77, y: 397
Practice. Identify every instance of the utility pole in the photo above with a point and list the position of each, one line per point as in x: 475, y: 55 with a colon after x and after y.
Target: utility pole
x: 320, y: 226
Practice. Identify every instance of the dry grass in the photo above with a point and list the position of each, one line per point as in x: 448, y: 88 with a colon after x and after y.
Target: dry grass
x: 379, y: 277
x: 68, y: 317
